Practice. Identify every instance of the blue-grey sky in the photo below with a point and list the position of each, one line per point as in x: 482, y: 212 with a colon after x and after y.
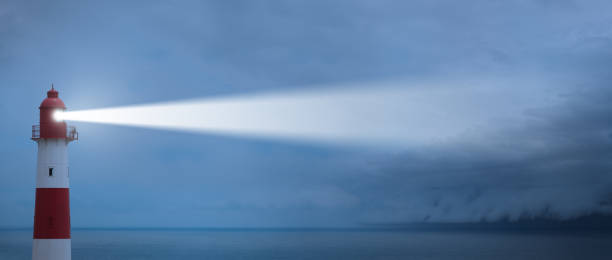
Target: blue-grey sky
x: 556, y: 162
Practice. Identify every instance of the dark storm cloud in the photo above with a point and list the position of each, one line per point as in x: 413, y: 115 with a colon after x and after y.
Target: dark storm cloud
x: 554, y: 162
x: 559, y: 167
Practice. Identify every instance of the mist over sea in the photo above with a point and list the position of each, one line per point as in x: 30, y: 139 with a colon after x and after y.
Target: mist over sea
x: 226, y: 244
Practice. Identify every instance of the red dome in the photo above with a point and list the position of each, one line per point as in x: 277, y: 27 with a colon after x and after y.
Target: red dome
x: 49, y: 127
x: 52, y: 100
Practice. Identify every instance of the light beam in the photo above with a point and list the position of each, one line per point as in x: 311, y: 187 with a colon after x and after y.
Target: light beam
x: 387, y: 114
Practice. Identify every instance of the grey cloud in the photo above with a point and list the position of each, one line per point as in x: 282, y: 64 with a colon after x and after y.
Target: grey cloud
x: 558, y: 166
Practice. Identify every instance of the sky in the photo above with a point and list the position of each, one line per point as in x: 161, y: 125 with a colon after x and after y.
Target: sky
x: 545, y: 152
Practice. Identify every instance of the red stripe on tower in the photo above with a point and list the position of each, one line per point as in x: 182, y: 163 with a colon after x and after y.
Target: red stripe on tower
x: 52, y: 213
x: 52, y: 210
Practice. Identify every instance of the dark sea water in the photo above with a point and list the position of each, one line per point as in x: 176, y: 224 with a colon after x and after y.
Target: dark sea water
x: 321, y: 244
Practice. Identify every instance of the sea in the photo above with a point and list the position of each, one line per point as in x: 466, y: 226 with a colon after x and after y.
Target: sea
x: 319, y: 244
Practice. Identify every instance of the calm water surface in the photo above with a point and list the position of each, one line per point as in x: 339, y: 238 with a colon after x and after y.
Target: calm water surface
x: 320, y: 244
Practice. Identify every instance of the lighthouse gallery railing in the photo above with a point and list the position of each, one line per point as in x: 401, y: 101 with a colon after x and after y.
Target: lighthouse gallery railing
x: 71, y: 133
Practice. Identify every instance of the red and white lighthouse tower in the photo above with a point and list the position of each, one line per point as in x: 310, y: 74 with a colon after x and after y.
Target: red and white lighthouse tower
x: 52, y: 211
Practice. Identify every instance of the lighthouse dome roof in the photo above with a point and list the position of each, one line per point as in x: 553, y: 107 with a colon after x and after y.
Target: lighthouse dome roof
x: 52, y: 100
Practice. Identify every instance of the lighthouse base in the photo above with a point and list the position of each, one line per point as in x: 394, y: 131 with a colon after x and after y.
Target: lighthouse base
x: 47, y: 249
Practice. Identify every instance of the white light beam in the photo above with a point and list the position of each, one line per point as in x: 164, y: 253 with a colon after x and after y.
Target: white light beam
x: 391, y: 114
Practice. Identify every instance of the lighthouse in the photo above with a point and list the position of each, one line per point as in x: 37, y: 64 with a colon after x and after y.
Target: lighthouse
x: 52, y: 209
